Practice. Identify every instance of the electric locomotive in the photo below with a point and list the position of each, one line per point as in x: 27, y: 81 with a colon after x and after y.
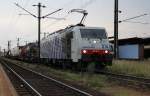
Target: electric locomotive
x: 77, y: 44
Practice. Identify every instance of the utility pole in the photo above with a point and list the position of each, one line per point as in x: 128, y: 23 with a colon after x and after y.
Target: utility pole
x: 116, y: 11
x: 39, y: 27
x: 39, y: 17
x: 116, y: 29
x: 18, y: 40
x: 0, y: 52
x: 4, y: 52
x: 9, y: 51
x: 45, y: 33
x: 26, y: 42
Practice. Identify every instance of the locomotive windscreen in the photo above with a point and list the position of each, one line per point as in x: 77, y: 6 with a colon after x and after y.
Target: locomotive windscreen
x: 93, y: 33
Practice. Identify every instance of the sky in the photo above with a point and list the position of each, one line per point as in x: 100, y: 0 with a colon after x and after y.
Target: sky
x: 100, y: 14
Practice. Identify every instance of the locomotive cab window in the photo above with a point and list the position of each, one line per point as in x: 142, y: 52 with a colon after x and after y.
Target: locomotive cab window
x: 93, y: 33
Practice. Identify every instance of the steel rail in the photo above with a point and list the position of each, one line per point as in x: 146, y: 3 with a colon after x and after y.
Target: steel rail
x: 130, y: 78
x: 54, y: 80
x: 23, y: 80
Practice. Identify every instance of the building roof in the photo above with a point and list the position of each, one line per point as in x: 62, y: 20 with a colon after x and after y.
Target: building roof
x: 133, y: 40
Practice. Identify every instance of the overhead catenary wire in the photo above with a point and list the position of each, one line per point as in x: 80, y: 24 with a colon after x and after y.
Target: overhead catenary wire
x: 27, y: 3
x: 39, y: 17
x: 18, y: 20
x: 86, y: 4
x: 64, y: 6
x: 51, y: 13
x: 14, y: 19
x: 25, y: 10
x: 30, y: 13
x: 137, y: 22
x: 25, y: 6
x: 133, y: 18
x: 65, y: 16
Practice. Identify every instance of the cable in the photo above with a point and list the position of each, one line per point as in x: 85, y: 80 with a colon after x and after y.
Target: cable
x: 19, y: 17
x: 137, y: 22
x: 134, y: 17
x: 86, y: 4
x: 27, y: 3
x: 65, y: 17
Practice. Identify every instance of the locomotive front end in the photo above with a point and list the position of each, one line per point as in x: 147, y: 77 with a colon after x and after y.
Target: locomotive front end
x: 95, y: 46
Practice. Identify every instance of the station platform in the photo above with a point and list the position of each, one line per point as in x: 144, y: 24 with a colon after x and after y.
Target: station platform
x: 6, y: 88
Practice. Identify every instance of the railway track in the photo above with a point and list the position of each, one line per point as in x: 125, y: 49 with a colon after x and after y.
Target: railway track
x: 128, y: 80
x: 30, y: 83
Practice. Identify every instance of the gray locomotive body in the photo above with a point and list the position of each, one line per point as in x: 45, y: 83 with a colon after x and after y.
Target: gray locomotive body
x: 77, y: 44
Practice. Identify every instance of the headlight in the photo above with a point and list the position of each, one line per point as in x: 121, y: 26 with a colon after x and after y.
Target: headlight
x: 94, y: 41
x: 106, y: 51
x: 84, y: 51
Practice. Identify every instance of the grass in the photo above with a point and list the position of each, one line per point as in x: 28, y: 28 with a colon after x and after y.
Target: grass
x: 89, y: 80
x: 121, y: 91
x: 93, y: 81
x: 137, y: 68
